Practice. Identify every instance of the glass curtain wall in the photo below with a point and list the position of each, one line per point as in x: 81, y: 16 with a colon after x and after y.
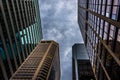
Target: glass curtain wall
x: 20, y: 32
x: 99, y: 21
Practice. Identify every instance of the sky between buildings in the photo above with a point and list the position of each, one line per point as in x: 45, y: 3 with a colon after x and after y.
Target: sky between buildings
x: 59, y: 23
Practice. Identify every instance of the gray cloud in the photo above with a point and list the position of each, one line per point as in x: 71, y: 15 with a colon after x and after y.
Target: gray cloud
x: 59, y: 23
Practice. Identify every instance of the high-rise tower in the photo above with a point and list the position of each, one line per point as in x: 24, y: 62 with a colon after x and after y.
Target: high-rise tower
x: 42, y: 64
x: 81, y: 67
x: 20, y: 32
x: 99, y: 22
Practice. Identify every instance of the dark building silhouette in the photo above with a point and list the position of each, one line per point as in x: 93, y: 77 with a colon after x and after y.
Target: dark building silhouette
x: 99, y: 22
x: 42, y: 64
x: 20, y: 32
x: 81, y: 67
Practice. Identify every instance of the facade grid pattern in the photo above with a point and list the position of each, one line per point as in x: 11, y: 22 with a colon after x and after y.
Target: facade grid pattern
x: 99, y: 22
x: 42, y: 64
x: 20, y: 32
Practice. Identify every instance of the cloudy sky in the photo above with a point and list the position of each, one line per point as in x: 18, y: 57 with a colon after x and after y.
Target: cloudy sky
x: 59, y: 23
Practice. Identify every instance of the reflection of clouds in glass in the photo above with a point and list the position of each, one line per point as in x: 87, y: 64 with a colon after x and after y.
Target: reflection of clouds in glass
x: 27, y: 36
x: 118, y: 38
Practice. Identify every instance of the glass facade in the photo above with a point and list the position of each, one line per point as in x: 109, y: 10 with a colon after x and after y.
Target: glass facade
x: 100, y: 27
x: 81, y: 67
x: 85, y: 70
x: 20, y: 32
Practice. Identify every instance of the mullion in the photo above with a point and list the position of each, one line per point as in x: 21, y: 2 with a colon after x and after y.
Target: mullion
x: 96, y: 24
x: 40, y: 34
x: 106, y: 46
x: 108, y: 31
x: 39, y: 21
x: 91, y: 5
x: 100, y: 26
x: 6, y: 52
x: 18, y: 29
x: 3, y: 40
x: 101, y: 14
x: 96, y: 51
x: 94, y: 44
x: 34, y: 27
x: 24, y: 24
x: 35, y: 12
x: 104, y: 20
x: 111, y: 21
x: 98, y: 55
x: 30, y: 23
x: 27, y: 25
x: 3, y: 68
x: 12, y: 26
x: 109, y: 25
x: 19, y: 6
x: 114, y: 41
x: 93, y: 40
x: 118, y: 18
x: 96, y: 5
x: 86, y: 18
x: 96, y: 18
x: 116, y: 29
x: 36, y: 21
x: 31, y: 30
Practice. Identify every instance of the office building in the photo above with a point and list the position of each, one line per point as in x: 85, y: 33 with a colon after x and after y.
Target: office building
x: 99, y: 22
x: 20, y: 32
x: 42, y: 64
x: 81, y: 67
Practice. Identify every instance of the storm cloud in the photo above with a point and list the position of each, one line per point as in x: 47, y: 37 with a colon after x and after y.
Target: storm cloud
x: 59, y: 23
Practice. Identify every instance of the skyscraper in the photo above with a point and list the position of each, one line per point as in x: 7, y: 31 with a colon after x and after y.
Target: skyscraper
x: 20, y: 32
x: 42, y: 64
x: 81, y: 67
x: 99, y: 22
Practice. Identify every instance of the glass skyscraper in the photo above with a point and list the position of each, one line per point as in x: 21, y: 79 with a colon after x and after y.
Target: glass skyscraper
x: 20, y: 32
x: 99, y: 22
x: 42, y: 64
x: 81, y: 67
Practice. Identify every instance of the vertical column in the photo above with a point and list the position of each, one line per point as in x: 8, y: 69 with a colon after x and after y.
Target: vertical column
x: 27, y: 23
x: 36, y: 19
x: 30, y: 24
x: 9, y: 38
x: 86, y: 24
x: 12, y: 26
x: 17, y: 26
x: 6, y: 54
x: 21, y: 23
x: 3, y: 69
